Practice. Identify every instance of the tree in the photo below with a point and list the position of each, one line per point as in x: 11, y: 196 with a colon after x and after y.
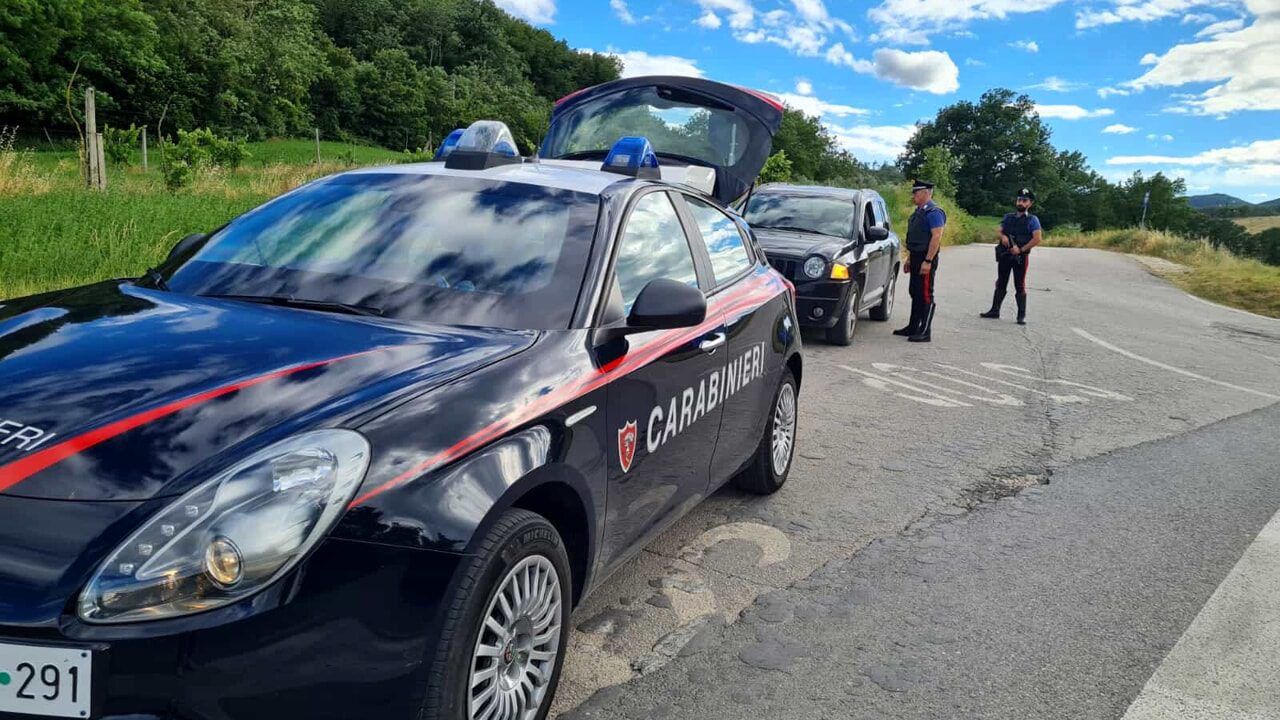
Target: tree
x: 940, y: 168
x: 776, y: 169
x: 999, y: 142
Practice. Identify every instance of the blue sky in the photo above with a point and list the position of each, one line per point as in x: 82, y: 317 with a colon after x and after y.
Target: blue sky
x: 1188, y: 87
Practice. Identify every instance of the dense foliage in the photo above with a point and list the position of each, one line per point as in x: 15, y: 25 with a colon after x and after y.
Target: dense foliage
x: 1000, y: 144
x: 400, y: 72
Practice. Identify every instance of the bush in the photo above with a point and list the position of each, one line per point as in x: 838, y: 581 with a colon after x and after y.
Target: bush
x: 200, y: 149
x: 178, y: 174
x: 118, y: 144
x: 776, y: 169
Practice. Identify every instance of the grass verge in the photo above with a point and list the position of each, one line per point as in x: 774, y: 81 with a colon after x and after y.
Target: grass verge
x: 1212, y: 273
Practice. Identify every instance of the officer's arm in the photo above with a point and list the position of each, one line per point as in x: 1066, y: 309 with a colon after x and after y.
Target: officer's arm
x: 1035, y: 240
x: 1004, y: 239
x: 935, y: 243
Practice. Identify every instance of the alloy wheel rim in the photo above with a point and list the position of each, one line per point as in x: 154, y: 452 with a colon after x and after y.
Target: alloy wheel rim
x: 784, y: 428
x: 893, y: 285
x: 519, y: 642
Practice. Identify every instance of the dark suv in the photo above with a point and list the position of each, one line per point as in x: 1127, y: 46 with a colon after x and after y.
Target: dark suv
x: 836, y: 245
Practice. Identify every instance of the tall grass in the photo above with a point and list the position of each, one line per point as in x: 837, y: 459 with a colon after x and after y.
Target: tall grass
x: 1212, y: 273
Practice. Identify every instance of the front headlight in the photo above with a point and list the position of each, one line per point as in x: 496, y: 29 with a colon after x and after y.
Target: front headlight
x: 233, y: 535
x: 815, y: 266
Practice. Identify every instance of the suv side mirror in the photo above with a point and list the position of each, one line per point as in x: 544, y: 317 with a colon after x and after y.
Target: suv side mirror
x: 184, y: 245
x: 877, y: 233
x: 665, y: 304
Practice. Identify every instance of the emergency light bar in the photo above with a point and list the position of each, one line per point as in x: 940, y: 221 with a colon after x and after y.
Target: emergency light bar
x: 632, y: 156
x: 450, y: 142
x: 484, y: 144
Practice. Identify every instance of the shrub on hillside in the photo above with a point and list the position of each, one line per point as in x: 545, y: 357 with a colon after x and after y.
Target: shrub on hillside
x: 118, y: 143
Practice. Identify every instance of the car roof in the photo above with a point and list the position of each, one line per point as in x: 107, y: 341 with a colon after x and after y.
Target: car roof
x: 816, y: 190
x: 545, y: 174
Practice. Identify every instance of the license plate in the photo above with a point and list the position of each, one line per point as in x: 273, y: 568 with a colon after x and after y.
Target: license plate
x: 52, y: 682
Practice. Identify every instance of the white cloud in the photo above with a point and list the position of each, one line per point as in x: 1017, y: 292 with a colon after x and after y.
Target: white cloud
x: 812, y: 10
x: 1259, y: 152
x: 709, y: 20
x: 741, y: 13
x: 810, y: 105
x: 538, y: 12
x: 1054, y: 83
x: 622, y: 11
x: 753, y: 37
x: 804, y: 87
x: 928, y: 70
x: 911, y: 22
x: 838, y: 55
x: 638, y: 62
x: 1198, y: 18
x: 873, y: 143
x: 1157, y: 136
x: 1218, y: 28
x: 800, y: 39
x: 1243, y: 62
x: 1106, y: 92
x: 974, y: 62
x: 1131, y: 11
x: 1030, y: 46
x: 1119, y: 129
x: 1071, y: 112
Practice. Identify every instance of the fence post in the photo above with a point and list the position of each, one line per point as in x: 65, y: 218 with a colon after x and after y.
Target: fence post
x: 102, y: 162
x: 93, y: 143
x: 144, y: 148
x: 317, y: 146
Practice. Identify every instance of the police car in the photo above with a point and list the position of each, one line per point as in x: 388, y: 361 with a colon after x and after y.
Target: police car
x: 837, y: 245
x: 360, y: 451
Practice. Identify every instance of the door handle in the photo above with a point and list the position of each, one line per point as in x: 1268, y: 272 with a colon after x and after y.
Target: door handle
x: 711, y: 344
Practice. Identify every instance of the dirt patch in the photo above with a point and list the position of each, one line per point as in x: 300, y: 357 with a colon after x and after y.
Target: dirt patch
x: 1160, y: 266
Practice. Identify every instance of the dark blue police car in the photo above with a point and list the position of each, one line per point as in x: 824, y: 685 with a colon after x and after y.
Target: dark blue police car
x: 360, y: 451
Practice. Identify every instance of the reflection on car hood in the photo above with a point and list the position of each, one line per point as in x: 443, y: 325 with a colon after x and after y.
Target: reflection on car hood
x: 114, y: 392
x: 789, y: 243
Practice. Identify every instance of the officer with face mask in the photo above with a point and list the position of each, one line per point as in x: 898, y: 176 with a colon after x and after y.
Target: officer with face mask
x: 1019, y: 232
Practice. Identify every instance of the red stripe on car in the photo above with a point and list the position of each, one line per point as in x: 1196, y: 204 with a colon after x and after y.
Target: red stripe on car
x: 23, y: 468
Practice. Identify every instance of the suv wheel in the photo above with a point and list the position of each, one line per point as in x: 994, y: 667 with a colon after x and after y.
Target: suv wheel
x: 506, y: 629
x: 842, y: 332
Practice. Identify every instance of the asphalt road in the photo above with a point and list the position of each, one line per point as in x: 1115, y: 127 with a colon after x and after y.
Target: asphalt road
x: 1066, y: 519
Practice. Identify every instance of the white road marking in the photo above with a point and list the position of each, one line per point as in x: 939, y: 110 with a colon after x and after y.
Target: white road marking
x: 922, y: 395
x: 1056, y: 398
x: 992, y: 397
x: 1170, y: 368
x: 1025, y: 374
x: 1227, y: 663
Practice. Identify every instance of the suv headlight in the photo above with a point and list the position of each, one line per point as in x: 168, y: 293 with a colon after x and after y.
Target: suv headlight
x: 233, y: 535
x: 815, y: 266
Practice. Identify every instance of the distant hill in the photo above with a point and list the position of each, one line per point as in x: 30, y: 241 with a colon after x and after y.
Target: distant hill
x: 1270, y: 203
x: 1218, y: 200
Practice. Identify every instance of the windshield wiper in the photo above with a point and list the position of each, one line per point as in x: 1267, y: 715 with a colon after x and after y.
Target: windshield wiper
x: 811, y: 231
x: 304, y: 304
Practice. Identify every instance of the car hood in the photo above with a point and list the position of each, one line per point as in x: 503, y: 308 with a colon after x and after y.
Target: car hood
x: 797, y: 244
x: 118, y: 393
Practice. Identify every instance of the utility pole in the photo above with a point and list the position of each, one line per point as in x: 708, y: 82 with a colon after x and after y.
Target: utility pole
x: 96, y: 175
x: 1146, y: 198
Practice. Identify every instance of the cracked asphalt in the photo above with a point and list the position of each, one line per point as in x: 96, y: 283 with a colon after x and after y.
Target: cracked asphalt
x: 1008, y: 522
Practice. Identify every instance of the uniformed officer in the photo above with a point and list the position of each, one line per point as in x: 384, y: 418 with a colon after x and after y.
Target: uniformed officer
x: 924, y: 240
x: 1019, y: 232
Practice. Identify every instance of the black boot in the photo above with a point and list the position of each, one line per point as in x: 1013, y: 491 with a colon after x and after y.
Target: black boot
x: 913, y: 324
x: 907, y: 331
x: 1022, y: 308
x: 996, y: 301
x: 924, y: 334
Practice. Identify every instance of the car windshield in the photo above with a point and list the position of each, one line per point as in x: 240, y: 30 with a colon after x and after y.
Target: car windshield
x: 439, y: 248
x: 689, y: 127
x: 806, y: 213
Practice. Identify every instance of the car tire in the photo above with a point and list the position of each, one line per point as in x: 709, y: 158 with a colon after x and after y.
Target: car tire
x: 842, y: 332
x: 884, y: 310
x: 521, y: 546
x: 763, y: 476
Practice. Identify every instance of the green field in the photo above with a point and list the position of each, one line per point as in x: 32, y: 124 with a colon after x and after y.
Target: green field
x: 55, y: 233
x: 1258, y: 224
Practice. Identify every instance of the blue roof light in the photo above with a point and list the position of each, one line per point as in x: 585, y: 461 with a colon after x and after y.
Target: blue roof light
x: 632, y: 156
x: 484, y: 144
x: 449, y: 143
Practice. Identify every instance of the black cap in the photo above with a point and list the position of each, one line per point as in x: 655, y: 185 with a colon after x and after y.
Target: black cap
x: 1026, y: 193
x: 921, y: 185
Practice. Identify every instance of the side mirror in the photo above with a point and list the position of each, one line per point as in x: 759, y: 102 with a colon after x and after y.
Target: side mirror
x: 184, y: 245
x: 877, y: 233
x: 665, y: 304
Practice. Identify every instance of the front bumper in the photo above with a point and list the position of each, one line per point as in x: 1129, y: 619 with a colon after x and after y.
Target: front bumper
x: 820, y: 302
x: 344, y: 636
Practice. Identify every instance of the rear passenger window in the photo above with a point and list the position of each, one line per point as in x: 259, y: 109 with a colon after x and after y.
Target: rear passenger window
x: 729, y: 256
x: 653, y: 246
